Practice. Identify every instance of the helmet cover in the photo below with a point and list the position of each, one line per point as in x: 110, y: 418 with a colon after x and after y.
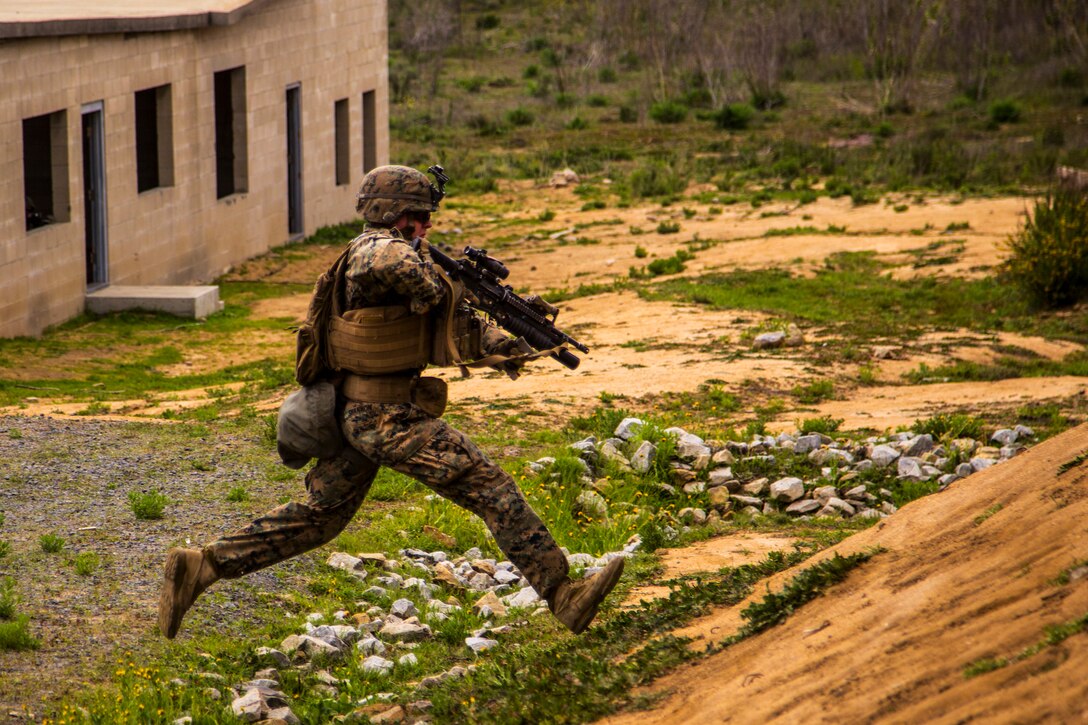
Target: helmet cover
x: 389, y: 191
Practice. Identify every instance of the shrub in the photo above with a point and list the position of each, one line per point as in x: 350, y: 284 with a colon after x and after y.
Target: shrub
x: 640, y: 252
x: 655, y: 179
x: 596, y: 100
x: 814, y: 392
x: 565, y: 100
x: 147, y: 505
x: 577, y: 124
x: 531, y: 71
x: 51, y: 543
x: 606, y: 75
x: 668, y: 227
x: 519, y: 117
x: 5, y: 549
x: 669, y: 265
x: 1005, y: 111
x: 1049, y: 255
x: 735, y: 116
x: 472, y: 84
x: 487, y: 21
x: 668, y: 112
x: 628, y: 114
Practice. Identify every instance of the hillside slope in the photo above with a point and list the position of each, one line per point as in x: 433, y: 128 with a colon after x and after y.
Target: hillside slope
x: 974, y: 572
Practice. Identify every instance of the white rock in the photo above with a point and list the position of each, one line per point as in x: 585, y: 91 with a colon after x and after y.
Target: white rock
x: 883, y: 455
x: 643, y: 457
x: 480, y: 644
x: 787, y: 489
x: 628, y: 428
x: 377, y: 665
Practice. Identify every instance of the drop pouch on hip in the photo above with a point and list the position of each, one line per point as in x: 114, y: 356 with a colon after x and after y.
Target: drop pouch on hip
x: 430, y: 395
x: 307, y: 426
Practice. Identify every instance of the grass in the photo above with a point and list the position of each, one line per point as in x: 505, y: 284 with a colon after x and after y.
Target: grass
x: 51, y: 543
x: 851, y: 295
x: 86, y: 563
x: 1053, y: 635
x: 148, y: 505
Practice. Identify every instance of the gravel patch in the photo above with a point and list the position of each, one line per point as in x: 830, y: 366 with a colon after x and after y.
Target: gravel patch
x: 72, y: 478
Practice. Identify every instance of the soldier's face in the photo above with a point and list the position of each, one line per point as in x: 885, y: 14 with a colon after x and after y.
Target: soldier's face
x: 416, y: 224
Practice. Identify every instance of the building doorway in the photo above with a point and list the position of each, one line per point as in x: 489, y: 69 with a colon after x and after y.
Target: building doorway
x: 94, y: 195
x: 294, y: 160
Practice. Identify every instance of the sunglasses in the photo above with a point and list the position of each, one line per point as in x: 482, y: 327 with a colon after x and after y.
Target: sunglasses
x: 421, y: 216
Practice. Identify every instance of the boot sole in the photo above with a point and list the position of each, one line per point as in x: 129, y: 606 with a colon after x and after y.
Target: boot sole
x: 174, y: 571
x: 612, y: 575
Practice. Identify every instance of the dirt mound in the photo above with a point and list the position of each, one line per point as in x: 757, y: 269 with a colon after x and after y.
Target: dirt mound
x: 978, y: 572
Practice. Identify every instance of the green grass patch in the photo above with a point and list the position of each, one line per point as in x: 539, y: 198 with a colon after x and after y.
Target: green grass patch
x: 147, y: 505
x: 51, y: 543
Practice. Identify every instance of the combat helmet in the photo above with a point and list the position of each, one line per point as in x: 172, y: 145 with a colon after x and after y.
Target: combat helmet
x: 389, y: 191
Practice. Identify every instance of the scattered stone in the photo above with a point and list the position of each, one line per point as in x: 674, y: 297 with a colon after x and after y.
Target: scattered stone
x: 408, y: 660
x: 405, y: 631
x: 492, y: 603
x: 628, y: 428
x: 346, y: 562
x: 802, y: 507
x: 757, y: 487
x: 403, y: 608
x: 1004, y: 437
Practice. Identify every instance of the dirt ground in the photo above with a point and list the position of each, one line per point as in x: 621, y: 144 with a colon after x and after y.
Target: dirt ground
x: 968, y: 574
x: 640, y: 347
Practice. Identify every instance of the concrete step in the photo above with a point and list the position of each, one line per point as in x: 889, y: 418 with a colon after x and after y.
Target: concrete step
x: 195, y: 302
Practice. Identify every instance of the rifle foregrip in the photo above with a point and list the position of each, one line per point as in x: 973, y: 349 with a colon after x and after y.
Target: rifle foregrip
x: 567, y: 358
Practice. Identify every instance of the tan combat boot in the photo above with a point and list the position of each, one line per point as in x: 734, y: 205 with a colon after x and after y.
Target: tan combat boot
x: 188, y: 572
x: 575, y: 604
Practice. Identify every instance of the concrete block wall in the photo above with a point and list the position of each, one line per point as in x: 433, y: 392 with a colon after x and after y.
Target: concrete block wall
x: 183, y: 234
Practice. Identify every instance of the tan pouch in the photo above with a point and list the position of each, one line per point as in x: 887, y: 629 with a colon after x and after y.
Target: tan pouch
x: 431, y: 395
x: 379, y: 340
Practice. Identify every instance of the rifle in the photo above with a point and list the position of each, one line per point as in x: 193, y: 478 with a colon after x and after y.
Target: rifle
x: 530, y: 318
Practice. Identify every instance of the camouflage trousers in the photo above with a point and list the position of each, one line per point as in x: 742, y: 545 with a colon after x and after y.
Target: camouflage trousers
x: 429, y: 450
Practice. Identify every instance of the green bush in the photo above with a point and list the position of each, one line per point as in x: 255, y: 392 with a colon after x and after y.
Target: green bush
x: 628, y: 114
x: 238, y: 494
x: 487, y: 21
x: 668, y: 227
x: 149, y: 505
x: 735, y: 116
x: 824, y: 424
x: 1048, y: 256
x: 51, y: 543
x: 606, y: 75
x: 1005, y: 111
x: 668, y: 112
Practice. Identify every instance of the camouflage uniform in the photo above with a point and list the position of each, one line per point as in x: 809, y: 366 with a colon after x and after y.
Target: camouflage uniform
x: 385, y: 270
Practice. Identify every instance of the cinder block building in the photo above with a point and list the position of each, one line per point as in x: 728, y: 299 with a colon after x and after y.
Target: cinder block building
x: 158, y: 143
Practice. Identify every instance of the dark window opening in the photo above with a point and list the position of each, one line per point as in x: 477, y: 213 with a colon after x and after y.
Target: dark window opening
x: 154, y: 139
x: 343, y: 148
x: 231, y: 171
x: 45, y: 169
x: 370, y: 142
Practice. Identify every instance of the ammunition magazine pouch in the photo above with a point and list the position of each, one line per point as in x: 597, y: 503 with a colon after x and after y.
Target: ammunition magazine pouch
x: 429, y: 394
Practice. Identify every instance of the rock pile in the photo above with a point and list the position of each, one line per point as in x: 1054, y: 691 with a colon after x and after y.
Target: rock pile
x: 855, y: 476
x: 381, y: 638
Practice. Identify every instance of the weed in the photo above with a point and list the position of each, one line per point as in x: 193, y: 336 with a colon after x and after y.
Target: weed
x: 14, y: 434
x: 238, y: 494
x: 867, y: 375
x: 95, y: 408
x: 824, y: 424
x: 984, y: 665
x: 988, y: 513
x: 15, y: 635
x: 950, y: 426
x: 1080, y: 566
x: 545, y: 216
x: 640, y: 252
x: 1073, y: 463
x: 777, y: 607
x: 148, y: 504
x: 5, y: 548
x: 668, y: 227
x: 8, y: 598
x: 51, y: 543
x: 815, y: 392
x: 957, y: 226
x: 86, y: 562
